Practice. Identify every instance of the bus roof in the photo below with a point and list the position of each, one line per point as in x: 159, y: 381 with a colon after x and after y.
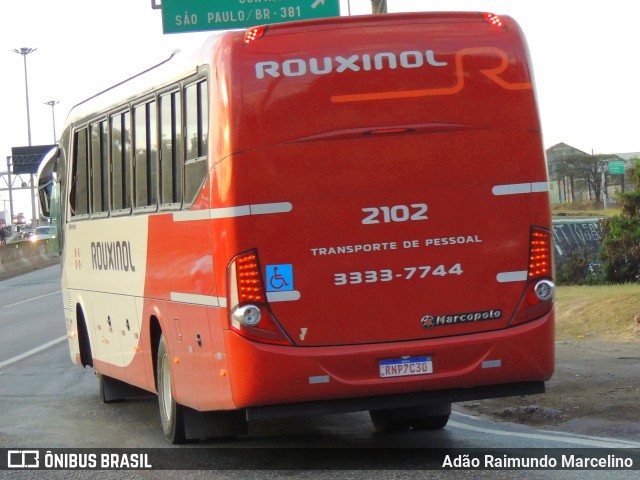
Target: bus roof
x: 178, y: 65
x: 361, y: 36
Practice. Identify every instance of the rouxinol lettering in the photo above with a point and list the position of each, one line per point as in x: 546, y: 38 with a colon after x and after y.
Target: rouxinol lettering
x: 112, y: 256
x: 297, y: 67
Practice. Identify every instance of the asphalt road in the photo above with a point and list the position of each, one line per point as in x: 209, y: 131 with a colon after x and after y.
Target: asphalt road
x: 46, y: 402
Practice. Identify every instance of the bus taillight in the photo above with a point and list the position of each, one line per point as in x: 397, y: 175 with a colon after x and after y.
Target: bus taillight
x: 250, y: 288
x: 538, y: 296
x: 249, y: 313
x: 539, y: 253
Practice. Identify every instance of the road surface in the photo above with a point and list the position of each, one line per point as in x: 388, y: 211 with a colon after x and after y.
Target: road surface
x: 46, y: 402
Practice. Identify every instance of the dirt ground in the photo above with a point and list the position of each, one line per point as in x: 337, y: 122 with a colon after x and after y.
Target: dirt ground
x: 595, y: 389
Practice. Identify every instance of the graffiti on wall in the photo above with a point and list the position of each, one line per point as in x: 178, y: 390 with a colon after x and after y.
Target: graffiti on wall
x: 583, y: 235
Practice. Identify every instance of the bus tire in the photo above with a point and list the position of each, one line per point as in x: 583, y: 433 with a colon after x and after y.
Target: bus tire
x: 433, y: 422
x: 171, y: 412
x: 432, y: 417
x: 388, y: 421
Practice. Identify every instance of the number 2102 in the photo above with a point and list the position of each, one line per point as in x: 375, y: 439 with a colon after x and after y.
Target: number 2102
x: 396, y: 213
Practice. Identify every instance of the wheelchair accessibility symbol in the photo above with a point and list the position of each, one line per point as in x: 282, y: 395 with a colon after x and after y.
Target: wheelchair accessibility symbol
x: 279, y: 278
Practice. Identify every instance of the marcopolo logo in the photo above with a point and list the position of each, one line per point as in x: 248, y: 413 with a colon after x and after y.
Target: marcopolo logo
x: 430, y: 321
x: 297, y: 67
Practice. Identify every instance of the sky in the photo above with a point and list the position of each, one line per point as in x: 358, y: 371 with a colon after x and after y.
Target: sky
x: 585, y: 56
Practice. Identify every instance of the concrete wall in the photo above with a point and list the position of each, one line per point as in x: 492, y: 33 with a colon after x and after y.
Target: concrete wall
x: 22, y: 257
x: 572, y: 234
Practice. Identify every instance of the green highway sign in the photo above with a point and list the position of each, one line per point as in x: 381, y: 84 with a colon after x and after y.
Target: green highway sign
x: 616, y: 167
x: 180, y: 16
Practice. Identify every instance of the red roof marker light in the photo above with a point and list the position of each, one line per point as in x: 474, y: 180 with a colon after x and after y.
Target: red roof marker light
x: 493, y: 19
x: 253, y: 34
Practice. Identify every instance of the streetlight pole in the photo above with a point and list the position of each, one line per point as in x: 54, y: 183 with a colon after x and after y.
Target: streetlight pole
x: 52, y: 104
x: 24, y: 51
x: 379, y: 6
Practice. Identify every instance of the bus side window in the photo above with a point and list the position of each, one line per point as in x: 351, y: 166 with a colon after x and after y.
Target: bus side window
x: 171, y: 148
x: 146, y: 153
x: 99, y: 168
x: 120, y: 161
x: 196, y: 136
x: 79, y: 195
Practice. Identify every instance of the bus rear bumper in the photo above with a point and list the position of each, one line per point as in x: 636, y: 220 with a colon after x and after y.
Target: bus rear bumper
x: 270, y: 381
x: 406, y: 400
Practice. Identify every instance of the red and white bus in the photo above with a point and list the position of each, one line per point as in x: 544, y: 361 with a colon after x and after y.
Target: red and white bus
x: 338, y: 215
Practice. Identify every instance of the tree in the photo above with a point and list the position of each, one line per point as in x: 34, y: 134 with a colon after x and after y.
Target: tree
x: 589, y: 167
x: 620, y: 248
x: 631, y: 200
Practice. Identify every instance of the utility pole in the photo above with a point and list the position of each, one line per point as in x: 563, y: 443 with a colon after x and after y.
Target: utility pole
x: 378, y: 6
x: 24, y: 51
x: 52, y: 104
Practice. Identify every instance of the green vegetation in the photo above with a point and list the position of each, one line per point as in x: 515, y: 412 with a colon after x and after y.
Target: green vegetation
x: 618, y: 260
x: 620, y: 248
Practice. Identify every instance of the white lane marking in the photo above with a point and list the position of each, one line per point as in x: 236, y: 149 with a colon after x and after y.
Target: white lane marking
x: 31, y: 299
x: 585, y: 441
x: 33, y: 351
x: 518, y: 188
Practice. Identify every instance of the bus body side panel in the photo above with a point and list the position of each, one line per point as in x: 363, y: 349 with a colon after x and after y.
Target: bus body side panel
x: 157, y: 267
x: 295, y: 375
x: 108, y: 273
x: 409, y: 152
x: 196, y: 348
x: 414, y: 128
x: 173, y: 283
x: 185, y: 288
x: 443, y: 254
x: 388, y: 172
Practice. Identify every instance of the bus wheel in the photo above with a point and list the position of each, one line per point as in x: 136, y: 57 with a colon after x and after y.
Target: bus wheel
x: 434, y: 422
x: 171, y: 413
x: 432, y: 417
x: 388, y: 421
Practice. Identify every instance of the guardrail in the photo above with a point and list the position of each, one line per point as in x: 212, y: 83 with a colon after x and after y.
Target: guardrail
x: 25, y: 256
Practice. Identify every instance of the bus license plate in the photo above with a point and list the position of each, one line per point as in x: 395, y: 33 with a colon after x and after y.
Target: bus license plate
x: 402, y: 367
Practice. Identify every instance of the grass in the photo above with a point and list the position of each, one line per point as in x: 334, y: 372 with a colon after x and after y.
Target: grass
x: 585, y: 210
x: 607, y: 311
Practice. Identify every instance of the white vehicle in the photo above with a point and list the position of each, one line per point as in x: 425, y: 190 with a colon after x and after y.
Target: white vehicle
x: 43, y: 233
